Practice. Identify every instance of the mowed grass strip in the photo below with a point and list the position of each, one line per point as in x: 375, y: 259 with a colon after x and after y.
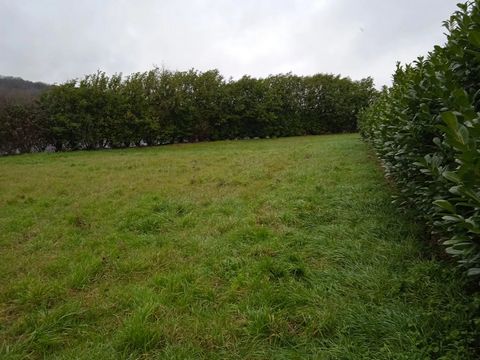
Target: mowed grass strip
x: 282, y: 248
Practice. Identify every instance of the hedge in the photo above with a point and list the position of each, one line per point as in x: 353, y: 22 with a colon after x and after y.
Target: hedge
x: 425, y: 129
x: 161, y: 107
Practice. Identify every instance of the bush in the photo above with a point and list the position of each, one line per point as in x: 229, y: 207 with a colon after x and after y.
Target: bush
x: 159, y: 107
x: 20, y: 129
x: 426, y: 130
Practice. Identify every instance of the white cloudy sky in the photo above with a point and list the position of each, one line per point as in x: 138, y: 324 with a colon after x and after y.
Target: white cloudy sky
x: 56, y: 40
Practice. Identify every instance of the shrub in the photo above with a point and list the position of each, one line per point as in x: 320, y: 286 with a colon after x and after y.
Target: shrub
x: 21, y: 129
x: 426, y: 130
x: 159, y: 107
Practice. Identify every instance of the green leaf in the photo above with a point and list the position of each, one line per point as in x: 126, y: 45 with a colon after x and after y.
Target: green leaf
x: 471, y: 194
x: 473, y: 272
x: 453, y: 251
x: 450, y: 118
x: 451, y: 176
x: 474, y: 37
x: 454, y: 218
x: 452, y: 242
x: 444, y: 204
x: 463, y: 134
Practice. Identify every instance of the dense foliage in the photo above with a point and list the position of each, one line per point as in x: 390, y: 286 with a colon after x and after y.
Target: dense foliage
x: 161, y: 106
x: 426, y: 130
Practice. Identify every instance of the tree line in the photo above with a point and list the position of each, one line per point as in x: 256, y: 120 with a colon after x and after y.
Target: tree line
x: 162, y: 107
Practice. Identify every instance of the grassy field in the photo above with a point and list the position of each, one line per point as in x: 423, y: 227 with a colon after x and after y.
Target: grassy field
x: 284, y: 248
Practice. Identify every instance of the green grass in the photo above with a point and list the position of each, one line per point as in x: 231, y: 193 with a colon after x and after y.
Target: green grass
x: 284, y: 248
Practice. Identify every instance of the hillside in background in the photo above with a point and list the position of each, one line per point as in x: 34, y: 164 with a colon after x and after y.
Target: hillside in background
x: 16, y: 89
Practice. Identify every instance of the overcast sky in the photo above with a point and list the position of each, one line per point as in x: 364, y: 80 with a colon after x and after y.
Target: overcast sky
x: 57, y: 40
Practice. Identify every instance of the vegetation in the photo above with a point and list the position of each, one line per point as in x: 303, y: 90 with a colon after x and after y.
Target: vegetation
x: 280, y: 248
x: 160, y: 107
x: 19, y: 115
x: 426, y: 130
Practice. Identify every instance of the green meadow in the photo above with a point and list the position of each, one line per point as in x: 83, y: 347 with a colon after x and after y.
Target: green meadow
x: 255, y: 249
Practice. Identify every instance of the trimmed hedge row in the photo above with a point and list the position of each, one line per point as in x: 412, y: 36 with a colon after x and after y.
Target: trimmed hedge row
x: 160, y: 107
x: 426, y: 130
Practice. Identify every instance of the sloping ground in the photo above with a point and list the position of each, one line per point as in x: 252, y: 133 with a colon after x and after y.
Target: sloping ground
x: 285, y: 248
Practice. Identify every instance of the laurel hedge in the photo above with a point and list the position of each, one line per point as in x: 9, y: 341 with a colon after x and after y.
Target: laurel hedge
x: 425, y: 129
x: 161, y: 107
